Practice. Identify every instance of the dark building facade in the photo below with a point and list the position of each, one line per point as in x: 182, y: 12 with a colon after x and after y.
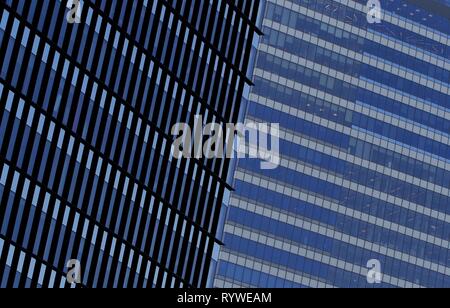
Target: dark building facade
x: 363, y: 183
x: 86, y: 110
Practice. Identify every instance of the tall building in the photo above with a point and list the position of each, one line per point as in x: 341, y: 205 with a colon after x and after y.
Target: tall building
x: 362, y: 196
x: 89, y: 191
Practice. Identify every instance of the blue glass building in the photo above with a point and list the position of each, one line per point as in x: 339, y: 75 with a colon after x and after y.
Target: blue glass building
x: 364, y: 110
x: 88, y: 97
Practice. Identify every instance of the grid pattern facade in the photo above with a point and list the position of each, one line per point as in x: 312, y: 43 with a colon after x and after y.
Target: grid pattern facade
x: 86, y: 109
x: 364, y: 111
